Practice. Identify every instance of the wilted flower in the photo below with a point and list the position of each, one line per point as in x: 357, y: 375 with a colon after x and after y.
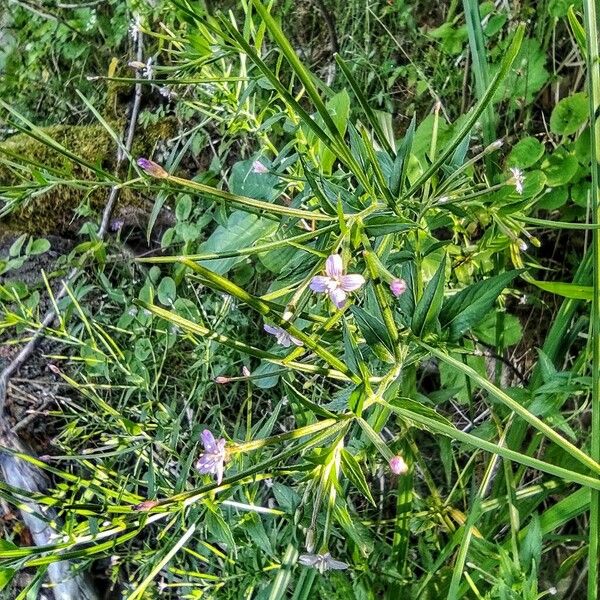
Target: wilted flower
x: 517, y: 179
x: 149, y: 69
x: 398, y: 287
x: 220, y: 379
x: 152, y: 168
x: 283, y: 337
x: 336, y: 283
x: 134, y: 28
x: 398, y: 465
x: 258, y: 167
x: 322, y: 562
x: 245, y: 371
x: 214, y: 456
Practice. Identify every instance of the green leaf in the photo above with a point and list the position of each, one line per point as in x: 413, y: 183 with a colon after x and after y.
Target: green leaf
x: 525, y: 153
x: 167, y: 291
x: 374, y: 331
x: 39, y: 246
x: 531, y: 547
x: 384, y: 225
x: 417, y: 408
x: 6, y: 576
x: 242, y: 230
x: 243, y: 181
x: 353, y: 472
x: 569, y: 114
x: 486, y: 330
x: 429, y: 306
x: 560, y: 168
x: 466, y: 308
x: 566, y: 290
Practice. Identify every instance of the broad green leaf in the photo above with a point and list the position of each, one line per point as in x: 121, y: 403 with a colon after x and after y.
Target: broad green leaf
x: 569, y: 114
x: 242, y: 230
x: 167, y: 291
x: 525, y: 153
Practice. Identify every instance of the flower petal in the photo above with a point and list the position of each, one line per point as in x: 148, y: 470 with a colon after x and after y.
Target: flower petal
x: 351, y: 282
x: 208, y: 440
x: 334, y: 266
x: 296, y: 341
x: 271, y: 329
x: 338, y: 297
x: 338, y: 565
x: 319, y: 283
x: 308, y: 560
x: 219, y: 469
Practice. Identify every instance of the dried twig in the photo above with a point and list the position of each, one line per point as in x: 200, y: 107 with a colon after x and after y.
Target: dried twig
x: 21, y: 474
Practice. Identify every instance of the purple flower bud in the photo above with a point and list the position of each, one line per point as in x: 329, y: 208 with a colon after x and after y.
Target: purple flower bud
x: 152, y: 168
x: 398, y: 287
x: 398, y: 466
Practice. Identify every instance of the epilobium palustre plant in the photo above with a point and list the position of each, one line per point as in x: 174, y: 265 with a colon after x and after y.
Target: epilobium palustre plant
x: 332, y: 290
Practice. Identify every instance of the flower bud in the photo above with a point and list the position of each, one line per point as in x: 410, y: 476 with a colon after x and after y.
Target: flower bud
x: 398, y: 287
x: 398, y: 466
x: 152, y: 168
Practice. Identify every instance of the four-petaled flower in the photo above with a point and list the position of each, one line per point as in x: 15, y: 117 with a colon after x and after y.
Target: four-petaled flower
x: 322, y: 562
x: 517, y: 179
x: 283, y: 337
x: 398, y: 287
x: 214, y: 456
x: 336, y: 283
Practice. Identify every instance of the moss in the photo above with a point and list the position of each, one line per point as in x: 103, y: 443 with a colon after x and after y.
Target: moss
x: 55, y: 210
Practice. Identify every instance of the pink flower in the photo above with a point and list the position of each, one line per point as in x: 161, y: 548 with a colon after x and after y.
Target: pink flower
x: 283, y: 337
x: 214, y: 456
x: 258, y: 167
x: 398, y: 466
x: 336, y: 283
x: 398, y: 287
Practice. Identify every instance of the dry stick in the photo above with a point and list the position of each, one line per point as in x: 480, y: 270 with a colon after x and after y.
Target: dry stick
x: 66, y: 584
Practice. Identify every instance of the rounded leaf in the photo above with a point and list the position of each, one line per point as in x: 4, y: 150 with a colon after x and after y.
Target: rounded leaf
x: 525, y: 153
x: 569, y: 114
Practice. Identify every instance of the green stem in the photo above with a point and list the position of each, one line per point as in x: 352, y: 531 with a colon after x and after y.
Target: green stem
x: 593, y: 82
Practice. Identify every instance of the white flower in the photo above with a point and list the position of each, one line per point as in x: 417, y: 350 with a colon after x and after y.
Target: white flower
x: 517, y: 179
x: 336, y: 283
x: 283, y: 337
x: 322, y: 562
x: 523, y: 246
x: 214, y: 456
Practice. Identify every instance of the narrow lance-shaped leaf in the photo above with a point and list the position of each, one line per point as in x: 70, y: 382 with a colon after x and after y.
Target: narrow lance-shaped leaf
x: 466, y: 308
x: 430, y: 304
